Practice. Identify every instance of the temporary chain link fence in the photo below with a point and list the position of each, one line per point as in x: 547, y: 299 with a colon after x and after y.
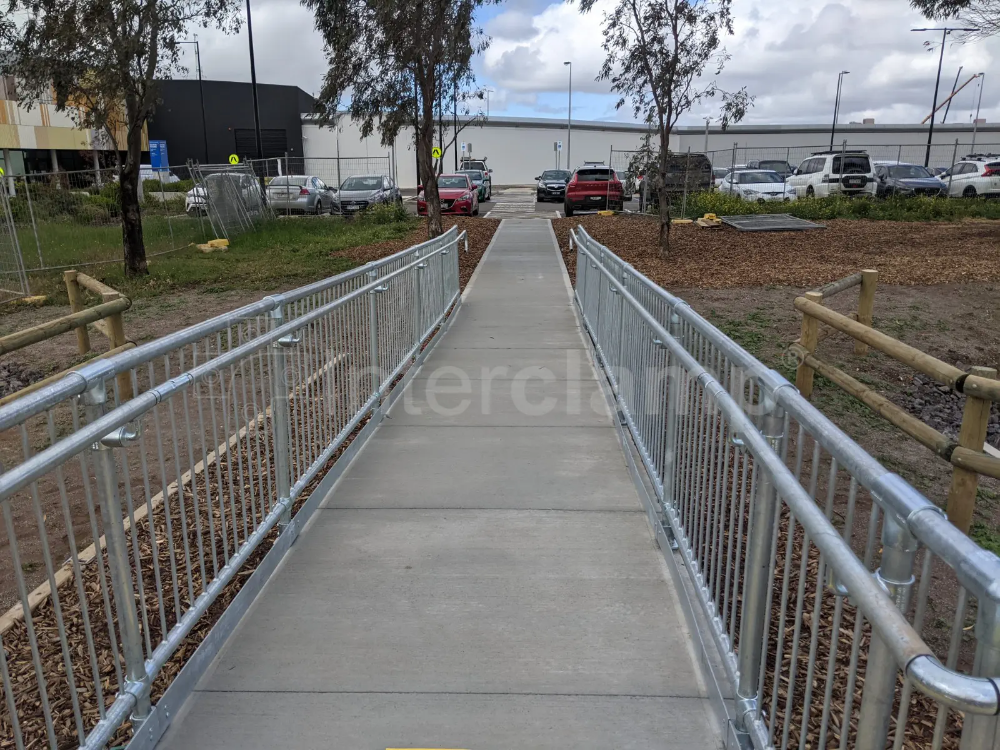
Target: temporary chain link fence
x: 162, y: 505
x: 13, y: 280
x: 231, y: 197
x: 73, y: 219
x: 847, y: 610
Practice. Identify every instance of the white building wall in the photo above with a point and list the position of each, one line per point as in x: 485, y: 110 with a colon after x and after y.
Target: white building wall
x: 519, y: 149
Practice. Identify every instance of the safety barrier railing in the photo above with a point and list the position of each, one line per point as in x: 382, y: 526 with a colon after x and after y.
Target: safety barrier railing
x: 839, y: 597
x: 179, y: 487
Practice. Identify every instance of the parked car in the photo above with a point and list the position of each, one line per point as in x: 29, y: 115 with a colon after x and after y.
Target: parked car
x: 146, y: 172
x: 593, y: 188
x: 718, y: 174
x: 834, y: 172
x: 780, y: 166
x: 358, y: 193
x: 194, y: 201
x: 552, y: 185
x: 232, y: 193
x: 468, y: 162
x: 906, y: 179
x: 937, y: 171
x: 306, y: 194
x: 482, y: 182
x: 976, y: 175
x: 458, y: 196
x: 760, y: 185
x: 685, y: 172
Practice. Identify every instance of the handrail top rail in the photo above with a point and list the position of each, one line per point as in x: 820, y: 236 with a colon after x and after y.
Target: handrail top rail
x: 79, y: 381
x: 976, y: 568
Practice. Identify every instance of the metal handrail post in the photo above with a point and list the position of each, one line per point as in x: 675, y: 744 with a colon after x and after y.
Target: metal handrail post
x: 137, y: 681
x: 676, y: 330
x: 758, y: 580
x: 373, y: 362
x: 280, y: 419
x: 983, y: 732
x: 895, y: 575
x: 419, y: 308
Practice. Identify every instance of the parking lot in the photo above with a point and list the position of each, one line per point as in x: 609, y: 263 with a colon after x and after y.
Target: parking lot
x: 518, y: 202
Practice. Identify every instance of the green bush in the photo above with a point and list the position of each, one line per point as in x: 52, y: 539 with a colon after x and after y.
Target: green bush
x: 112, y: 191
x: 384, y: 213
x: 111, y: 208
x: 896, y: 208
x: 167, y: 187
x: 91, y: 213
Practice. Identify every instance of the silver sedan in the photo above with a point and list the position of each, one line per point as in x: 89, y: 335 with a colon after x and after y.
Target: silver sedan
x: 306, y: 194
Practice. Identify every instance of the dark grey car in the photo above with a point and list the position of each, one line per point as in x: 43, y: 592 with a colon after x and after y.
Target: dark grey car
x: 358, y: 193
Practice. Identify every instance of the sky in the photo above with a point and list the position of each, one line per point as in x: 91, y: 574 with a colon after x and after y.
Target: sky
x: 788, y: 54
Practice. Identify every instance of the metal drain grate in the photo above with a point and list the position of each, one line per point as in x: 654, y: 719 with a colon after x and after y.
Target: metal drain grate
x: 769, y: 223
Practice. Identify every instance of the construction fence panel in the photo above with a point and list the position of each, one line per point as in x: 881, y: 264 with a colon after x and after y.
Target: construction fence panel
x: 13, y: 280
x: 233, y: 198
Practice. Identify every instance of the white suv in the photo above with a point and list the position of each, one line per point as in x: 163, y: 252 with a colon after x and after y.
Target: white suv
x: 976, y: 174
x: 821, y: 175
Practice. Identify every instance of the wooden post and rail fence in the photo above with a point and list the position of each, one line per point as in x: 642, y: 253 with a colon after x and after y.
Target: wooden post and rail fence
x: 980, y: 387
x: 106, y: 317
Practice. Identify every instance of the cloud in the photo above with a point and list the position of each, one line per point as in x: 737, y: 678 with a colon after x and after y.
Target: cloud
x: 514, y: 26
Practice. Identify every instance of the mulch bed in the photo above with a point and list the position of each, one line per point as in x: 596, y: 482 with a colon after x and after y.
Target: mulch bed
x: 906, y: 253
x: 181, y: 521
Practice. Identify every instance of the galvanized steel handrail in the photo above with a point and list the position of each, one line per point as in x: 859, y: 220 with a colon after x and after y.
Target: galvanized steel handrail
x: 908, y: 513
x: 286, y: 398
x: 79, y: 381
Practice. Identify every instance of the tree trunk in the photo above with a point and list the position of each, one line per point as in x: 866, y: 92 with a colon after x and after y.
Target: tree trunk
x: 424, y: 147
x: 663, y: 195
x: 135, y: 248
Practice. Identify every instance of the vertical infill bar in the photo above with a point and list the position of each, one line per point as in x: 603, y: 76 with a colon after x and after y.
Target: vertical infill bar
x: 373, y: 360
x: 280, y: 419
x: 137, y: 680
x: 760, y: 537
x: 982, y: 732
x: 895, y: 575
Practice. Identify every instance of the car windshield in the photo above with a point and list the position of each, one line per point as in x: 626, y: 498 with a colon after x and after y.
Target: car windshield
x: 593, y: 175
x: 453, y: 181
x: 909, y: 172
x: 362, y: 183
x: 751, y: 178
x: 292, y: 180
x: 556, y: 174
x: 474, y: 174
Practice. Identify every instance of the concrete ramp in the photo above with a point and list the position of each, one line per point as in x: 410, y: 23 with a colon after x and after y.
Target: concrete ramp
x: 483, y: 575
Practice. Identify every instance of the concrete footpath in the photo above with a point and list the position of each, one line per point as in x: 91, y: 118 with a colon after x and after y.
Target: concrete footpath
x: 483, y: 575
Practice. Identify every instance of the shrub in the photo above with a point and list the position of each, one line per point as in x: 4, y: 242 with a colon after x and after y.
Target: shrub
x: 384, y: 213
x: 112, y: 191
x: 91, y: 213
x: 167, y: 187
x: 110, y: 208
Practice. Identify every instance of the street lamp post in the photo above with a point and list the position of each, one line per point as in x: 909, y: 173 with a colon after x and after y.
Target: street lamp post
x: 487, y: 92
x: 201, y: 94
x: 253, y: 85
x: 569, y: 120
x: 937, y: 84
x: 975, y: 120
x: 836, y: 105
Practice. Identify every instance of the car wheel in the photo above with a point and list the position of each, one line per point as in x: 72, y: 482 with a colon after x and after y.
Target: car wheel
x: 969, y: 192
x: 810, y: 193
x: 319, y: 207
x: 568, y: 209
x: 489, y: 193
x: 475, y: 211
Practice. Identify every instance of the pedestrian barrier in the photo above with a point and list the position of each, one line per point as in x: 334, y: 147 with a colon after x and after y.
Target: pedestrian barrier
x: 184, y: 488
x: 838, y: 597
x: 980, y: 387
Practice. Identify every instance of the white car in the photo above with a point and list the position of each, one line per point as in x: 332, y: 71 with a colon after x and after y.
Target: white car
x: 975, y: 175
x: 146, y: 172
x: 759, y: 185
x: 822, y: 175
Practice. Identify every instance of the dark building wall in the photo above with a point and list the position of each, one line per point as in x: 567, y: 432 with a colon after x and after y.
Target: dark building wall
x: 228, y: 110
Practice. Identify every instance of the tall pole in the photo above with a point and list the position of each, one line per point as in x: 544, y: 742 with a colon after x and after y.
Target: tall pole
x: 937, y: 84
x: 256, y: 104
x: 954, y: 86
x: 454, y: 123
x: 416, y: 126
x: 569, y: 120
x: 707, y: 121
x: 975, y: 120
x: 836, y: 105
x: 201, y: 93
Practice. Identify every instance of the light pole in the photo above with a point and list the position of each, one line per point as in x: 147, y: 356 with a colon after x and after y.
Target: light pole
x: 253, y: 85
x: 975, y: 120
x: 944, y: 39
x: 201, y: 94
x: 569, y: 120
x: 836, y: 105
x: 487, y: 92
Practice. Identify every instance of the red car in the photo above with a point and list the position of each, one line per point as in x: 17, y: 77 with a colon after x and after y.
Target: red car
x: 593, y: 187
x: 458, y: 196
